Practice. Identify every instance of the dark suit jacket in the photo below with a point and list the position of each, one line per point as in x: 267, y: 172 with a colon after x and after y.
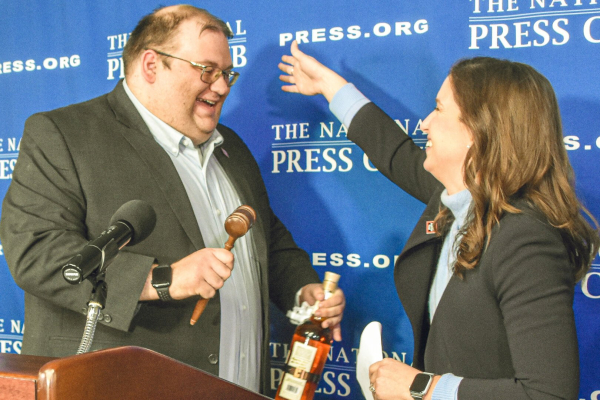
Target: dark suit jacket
x: 77, y: 165
x: 508, y: 327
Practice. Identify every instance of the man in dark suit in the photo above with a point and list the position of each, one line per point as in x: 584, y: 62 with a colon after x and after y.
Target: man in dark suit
x: 156, y: 138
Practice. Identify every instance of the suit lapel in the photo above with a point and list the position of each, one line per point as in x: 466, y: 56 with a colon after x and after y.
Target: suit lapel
x: 414, y: 271
x: 415, y: 276
x: 228, y: 156
x: 234, y: 163
x: 234, y: 166
x: 157, y: 160
x: 425, y: 229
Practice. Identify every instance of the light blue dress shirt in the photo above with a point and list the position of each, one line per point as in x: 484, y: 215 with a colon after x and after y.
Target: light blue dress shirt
x: 213, y: 199
x: 344, y: 105
x: 459, y: 204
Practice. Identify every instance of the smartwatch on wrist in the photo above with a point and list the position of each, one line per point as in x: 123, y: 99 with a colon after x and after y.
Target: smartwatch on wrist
x: 161, y: 281
x: 421, y: 385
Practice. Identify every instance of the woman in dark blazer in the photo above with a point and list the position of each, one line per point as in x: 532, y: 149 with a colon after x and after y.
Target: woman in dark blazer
x: 487, y: 276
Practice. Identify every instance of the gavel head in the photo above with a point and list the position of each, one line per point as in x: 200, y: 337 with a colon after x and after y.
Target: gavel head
x: 240, y: 221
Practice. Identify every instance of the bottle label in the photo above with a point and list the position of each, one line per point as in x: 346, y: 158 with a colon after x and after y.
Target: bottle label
x: 301, y: 359
x: 292, y: 388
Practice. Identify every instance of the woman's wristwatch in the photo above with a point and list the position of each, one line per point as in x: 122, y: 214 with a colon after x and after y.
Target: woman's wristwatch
x: 421, y: 385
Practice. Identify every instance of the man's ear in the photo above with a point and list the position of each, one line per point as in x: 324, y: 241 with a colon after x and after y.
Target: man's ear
x: 149, y: 65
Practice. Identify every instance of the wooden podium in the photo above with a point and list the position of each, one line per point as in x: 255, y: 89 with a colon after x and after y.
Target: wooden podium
x: 118, y: 373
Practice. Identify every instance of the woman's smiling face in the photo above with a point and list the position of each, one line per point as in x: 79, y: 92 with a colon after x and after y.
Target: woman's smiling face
x: 448, y: 141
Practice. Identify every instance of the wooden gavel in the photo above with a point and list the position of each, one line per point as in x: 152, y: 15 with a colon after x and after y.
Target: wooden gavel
x: 236, y: 225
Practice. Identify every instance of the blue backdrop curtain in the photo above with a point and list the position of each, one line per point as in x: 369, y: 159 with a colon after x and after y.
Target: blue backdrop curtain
x: 348, y: 217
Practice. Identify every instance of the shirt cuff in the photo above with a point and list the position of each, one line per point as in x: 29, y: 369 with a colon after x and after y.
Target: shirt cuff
x: 346, y: 103
x: 446, y: 388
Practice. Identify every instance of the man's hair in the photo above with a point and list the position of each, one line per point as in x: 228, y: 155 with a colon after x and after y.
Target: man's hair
x: 160, y: 27
x: 518, y: 152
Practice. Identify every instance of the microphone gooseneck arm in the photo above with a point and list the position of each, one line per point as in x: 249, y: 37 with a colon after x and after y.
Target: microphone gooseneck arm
x: 95, y: 305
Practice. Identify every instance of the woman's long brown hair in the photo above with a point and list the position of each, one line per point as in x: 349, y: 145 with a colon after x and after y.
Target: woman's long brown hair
x: 517, y: 153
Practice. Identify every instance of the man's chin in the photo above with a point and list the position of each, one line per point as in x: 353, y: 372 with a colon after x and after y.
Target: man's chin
x: 207, y: 130
x: 206, y: 124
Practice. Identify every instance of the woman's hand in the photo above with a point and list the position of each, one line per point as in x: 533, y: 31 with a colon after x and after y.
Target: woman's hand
x: 308, y: 76
x: 391, y: 380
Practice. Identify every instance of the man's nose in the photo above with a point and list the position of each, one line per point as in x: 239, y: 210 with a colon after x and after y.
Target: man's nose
x: 220, y: 86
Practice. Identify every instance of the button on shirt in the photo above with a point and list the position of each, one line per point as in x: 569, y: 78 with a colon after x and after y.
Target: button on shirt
x: 213, y: 199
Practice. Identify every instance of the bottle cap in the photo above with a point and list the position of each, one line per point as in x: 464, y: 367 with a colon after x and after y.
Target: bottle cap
x: 330, y: 282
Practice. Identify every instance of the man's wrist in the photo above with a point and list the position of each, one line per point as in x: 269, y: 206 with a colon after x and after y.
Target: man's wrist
x: 162, y: 277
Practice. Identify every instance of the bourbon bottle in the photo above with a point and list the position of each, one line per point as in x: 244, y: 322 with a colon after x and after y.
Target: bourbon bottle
x: 308, y: 353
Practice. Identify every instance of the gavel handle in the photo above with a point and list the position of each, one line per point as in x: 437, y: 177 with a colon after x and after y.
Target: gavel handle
x: 201, y: 304
x: 229, y: 243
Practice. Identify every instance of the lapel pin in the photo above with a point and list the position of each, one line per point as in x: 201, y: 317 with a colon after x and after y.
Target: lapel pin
x: 225, y: 152
x: 430, y: 227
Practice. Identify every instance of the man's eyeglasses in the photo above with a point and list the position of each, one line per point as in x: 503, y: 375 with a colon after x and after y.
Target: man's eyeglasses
x: 209, y: 74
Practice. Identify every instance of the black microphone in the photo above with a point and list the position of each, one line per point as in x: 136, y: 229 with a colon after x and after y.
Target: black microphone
x: 130, y: 224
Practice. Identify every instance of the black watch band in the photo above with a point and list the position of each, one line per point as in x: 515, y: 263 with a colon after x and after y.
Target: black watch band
x: 161, y: 281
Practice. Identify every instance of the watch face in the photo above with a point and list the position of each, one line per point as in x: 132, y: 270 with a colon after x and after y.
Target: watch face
x: 161, y: 276
x: 420, y: 383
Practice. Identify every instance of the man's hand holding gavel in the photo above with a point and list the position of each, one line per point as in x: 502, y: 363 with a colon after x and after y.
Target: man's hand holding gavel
x: 205, y: 271
x: 201, y: 273
x: 236, y: 226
